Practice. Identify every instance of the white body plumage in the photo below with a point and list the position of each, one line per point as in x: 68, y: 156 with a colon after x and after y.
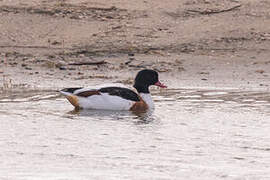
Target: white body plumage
x: 105, y: 100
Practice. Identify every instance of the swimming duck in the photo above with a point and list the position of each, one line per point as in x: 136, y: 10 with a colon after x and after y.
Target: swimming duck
x: 116, y: 97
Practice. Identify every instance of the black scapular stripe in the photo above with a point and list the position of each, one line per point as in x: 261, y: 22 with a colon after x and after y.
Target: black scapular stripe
x: 122, y: 92
x: 70, y: 90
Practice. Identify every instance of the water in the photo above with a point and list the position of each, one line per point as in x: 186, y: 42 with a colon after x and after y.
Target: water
x: 192, y: 134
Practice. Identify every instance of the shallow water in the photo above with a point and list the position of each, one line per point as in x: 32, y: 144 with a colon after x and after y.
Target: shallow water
x: 192, y: 134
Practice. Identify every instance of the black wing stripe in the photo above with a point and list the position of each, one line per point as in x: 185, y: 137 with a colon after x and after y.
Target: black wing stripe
x: 70, y: 90
x: 122, y: 92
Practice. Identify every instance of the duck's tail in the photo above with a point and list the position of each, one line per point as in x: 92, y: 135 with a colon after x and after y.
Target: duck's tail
x: 73, y: 99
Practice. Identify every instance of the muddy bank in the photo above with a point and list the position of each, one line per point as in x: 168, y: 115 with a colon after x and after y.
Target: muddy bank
x: 49, y: 44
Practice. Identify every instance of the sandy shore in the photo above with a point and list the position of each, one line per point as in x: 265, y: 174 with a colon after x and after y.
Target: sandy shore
x: 198, y: 43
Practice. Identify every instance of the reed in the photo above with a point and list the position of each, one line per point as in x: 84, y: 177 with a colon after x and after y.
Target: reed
x: 6, y: 83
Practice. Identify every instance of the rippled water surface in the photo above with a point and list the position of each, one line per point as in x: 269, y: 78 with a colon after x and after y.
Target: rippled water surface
x: 192, y: 134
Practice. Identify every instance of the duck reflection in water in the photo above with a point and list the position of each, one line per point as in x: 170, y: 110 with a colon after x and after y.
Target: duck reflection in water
x: 139, y: 117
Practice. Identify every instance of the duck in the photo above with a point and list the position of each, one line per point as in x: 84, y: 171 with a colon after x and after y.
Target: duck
x: 116, y: 96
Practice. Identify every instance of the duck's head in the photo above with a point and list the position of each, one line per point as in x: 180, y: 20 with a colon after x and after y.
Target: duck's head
x: 146, y: 78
